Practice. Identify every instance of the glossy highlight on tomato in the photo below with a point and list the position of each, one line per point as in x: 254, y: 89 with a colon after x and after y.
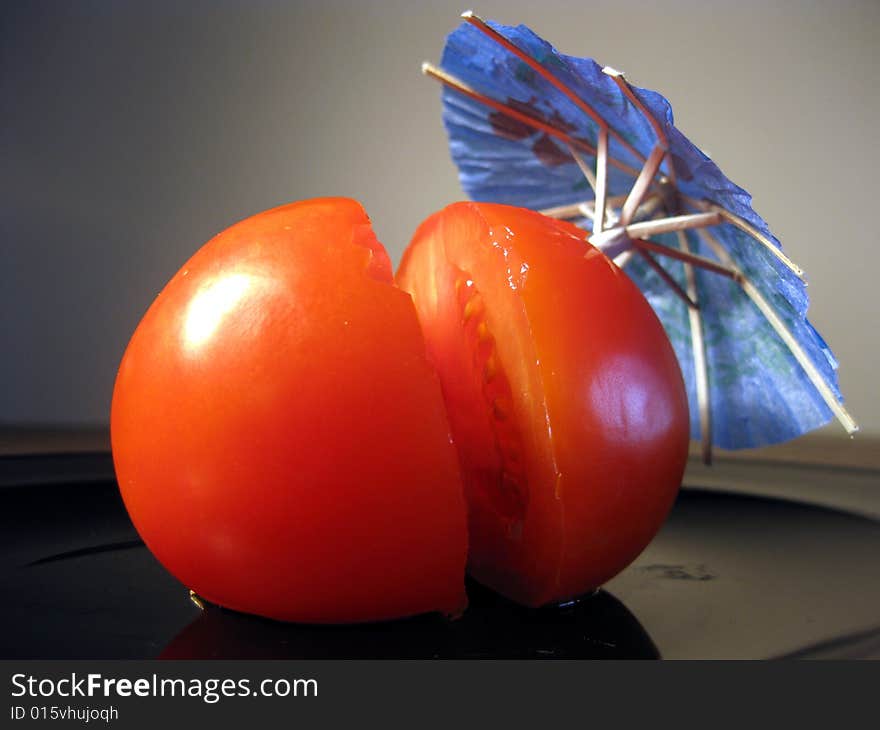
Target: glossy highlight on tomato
x: 279, y: 436
x: 565, y: 398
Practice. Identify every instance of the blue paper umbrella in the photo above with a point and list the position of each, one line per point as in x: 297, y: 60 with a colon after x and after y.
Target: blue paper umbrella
x: 532, y: 127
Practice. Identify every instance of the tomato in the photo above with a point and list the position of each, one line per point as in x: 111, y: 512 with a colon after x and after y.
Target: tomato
x: 564, y: 395
x: 279, y: 436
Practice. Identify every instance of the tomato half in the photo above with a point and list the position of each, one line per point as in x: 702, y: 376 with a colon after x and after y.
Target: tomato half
x: 564, y: 395
x: 279, y: 436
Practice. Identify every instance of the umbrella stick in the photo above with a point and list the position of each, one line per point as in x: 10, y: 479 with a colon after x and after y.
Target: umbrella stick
x: 597, y: 181
x: 584, y: 168
x: 535, y: 65
x: 675, y: 223
x: 627, y: 90
x: 701, y: 262
x: 572, y: 210
x: 689, y: 297
x: 649, y: 207
x: 642, y: 183
x: 622, y: 259
x: 601, y: 179
x: 586, y: 208
x: 846, y: 420
x: 463, y: 88
x: 747, y: 228
x: 667, y: 277
x: 701, y: 372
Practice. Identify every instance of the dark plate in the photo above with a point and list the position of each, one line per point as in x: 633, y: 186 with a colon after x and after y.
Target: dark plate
x: 729, y: 576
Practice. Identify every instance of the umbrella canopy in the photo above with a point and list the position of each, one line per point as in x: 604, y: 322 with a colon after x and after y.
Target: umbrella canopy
x: 532, y: 127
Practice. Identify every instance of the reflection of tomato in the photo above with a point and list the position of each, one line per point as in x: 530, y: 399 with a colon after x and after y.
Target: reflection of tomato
x: 597, y: 627
x: 564, y: 395
x: 279, y: 437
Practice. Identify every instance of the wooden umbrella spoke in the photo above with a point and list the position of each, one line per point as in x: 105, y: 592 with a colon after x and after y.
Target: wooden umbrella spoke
x: 628, y: 92
x: 585, y: 169
x: 670, y: 224
x: 642, y: 183
x: 785, y: 334
x: 701, y: 262
x: 658, y: 153
x: 747, y: 228
x: 649, y: 208
x: 698, y: 348
x: 701, y: 378
x: 667, y: 278
x: 538, y: 124
x: 587, y: 209
x: 572, y: 210
x: 623, y: 258
x: 539, y: 68
x: 601, y: 178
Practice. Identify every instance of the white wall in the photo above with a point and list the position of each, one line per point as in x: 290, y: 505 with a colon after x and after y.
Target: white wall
x: 131, y: 132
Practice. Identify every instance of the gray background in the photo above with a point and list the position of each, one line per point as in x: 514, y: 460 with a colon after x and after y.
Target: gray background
x: 131, y: 132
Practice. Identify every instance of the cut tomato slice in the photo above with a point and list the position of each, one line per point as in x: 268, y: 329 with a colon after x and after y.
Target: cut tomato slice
x: 565, y: 398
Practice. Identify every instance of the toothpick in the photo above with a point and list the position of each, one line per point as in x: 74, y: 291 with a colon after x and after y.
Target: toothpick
x: 698, y: 348
x: 787, y: 337
x: 467, y: 90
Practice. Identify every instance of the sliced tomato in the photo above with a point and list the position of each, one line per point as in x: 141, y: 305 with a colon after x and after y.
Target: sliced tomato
x: 279, y: 435
x: 565, y: 398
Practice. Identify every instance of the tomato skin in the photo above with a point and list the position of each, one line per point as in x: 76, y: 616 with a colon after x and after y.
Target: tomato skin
x: 279, y: 437
x: 575, y: 476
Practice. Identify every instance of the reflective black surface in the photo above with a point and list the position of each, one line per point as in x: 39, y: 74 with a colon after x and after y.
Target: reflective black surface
x: 728, y: 576
x: 596, y: 627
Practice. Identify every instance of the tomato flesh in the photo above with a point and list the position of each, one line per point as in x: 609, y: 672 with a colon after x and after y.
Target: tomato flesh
x: 279, y: 436
x: 564, y: 396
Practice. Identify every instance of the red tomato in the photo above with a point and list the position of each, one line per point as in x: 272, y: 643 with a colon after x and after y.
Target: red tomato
x: 564, y: 395
x: 280, y: 438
